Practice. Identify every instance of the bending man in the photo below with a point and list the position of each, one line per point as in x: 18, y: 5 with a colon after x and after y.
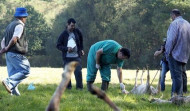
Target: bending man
x: 101, y: 55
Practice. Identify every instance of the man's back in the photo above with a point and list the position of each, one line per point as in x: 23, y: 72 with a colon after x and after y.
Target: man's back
x: 179, y: 39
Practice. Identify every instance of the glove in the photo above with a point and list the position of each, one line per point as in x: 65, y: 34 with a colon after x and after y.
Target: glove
x: 122, y: 86
x: 98, y: 66
x: 124, y: 91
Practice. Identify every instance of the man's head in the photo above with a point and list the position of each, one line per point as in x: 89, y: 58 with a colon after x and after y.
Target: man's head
x: 175, y: 13
x: 21, y: 13
x: 123, y: 53
x: 71, y: 24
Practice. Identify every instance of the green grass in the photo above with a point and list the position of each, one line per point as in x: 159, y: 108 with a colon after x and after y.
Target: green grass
x: 74, y: 100
x: 47, y: 79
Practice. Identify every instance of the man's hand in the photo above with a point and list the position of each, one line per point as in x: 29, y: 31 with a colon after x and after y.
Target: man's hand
x: 157, y: 53
x: 98, y: 66
x: 70, y: 49
x: 3, y: 50
x: 122, y: 86
x: 82, y: 52
x: 125, y: 91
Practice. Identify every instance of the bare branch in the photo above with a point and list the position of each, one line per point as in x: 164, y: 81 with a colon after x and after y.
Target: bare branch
x: 66, y: 77
x: 102, y: 95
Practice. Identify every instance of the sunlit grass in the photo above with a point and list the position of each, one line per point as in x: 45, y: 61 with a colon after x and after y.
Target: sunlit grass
x: 47, y: 79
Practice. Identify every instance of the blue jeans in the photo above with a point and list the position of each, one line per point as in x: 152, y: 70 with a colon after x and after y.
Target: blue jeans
x: 18, y: 68
x: 184, y: 79
x: 176, y: 70
x: 77, y: 72
x: 165, y: 69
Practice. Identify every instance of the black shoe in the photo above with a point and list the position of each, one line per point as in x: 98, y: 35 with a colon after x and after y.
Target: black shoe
x: 69, y: 88
x: 79, y: 88
x: 105, y: 85
x: 89, y: 85
x: 185, y: 92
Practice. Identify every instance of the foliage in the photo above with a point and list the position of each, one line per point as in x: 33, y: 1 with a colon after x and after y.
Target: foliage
x: 37, y: 32
x: 139, y: 25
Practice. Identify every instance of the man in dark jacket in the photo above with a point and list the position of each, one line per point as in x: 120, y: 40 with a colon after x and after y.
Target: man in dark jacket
x: 15, y: 45
x: 70, y: 42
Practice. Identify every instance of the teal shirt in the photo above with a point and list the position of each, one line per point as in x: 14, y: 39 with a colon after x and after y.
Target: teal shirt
x: 110, y: 49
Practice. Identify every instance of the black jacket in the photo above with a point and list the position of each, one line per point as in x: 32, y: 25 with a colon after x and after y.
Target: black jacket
x: 63, y: 40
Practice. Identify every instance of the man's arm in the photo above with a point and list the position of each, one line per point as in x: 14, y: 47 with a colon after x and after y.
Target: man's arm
x: 158, y: 52
x: 119, y: 74
x: 120, y: 77
x: 3, y: 43
x: 98, y: 55
x: 2, y: 46
x: 11, y: 43
x: 18, y: 31
x: 81, y: 41
x: 60, y: 45
x: 171, y: 38
x: 80, y: 38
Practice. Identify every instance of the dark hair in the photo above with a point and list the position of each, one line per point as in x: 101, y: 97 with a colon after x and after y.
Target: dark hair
x: 21, y: 17
x: 125, y: 52
x: 71, y: 20
x: 176, y: 12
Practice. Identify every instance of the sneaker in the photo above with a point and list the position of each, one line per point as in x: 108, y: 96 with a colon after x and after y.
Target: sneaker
x: 15, y: 91
x: 6, y: 84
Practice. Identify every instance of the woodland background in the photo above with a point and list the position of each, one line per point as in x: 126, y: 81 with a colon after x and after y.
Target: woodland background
x: 139, y: 25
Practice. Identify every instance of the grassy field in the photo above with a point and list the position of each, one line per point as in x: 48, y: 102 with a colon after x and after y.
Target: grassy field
x: 47, y: 79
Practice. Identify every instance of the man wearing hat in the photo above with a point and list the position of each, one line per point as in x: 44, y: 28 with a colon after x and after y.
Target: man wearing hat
x: 15, y: 45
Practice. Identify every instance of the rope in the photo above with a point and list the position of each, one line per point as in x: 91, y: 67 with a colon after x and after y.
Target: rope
x: 155, y: 74
x: 154, y: 77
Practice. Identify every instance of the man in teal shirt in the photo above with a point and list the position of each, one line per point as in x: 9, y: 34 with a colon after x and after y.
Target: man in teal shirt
x: 100, y: 56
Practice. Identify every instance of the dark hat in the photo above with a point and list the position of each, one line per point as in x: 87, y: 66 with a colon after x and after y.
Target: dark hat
x: 21, y: 12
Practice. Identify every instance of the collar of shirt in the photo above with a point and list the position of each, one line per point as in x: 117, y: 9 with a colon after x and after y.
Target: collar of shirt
x: 21, y: 22
x: 180, y: 17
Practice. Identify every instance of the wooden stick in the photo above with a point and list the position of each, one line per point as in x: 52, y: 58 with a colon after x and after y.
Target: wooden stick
x: 66, y: 77
x: 102, y: 95
x: 154, y: 76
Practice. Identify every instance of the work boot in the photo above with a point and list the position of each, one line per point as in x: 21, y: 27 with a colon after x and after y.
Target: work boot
x: 105, y: 85
x: 89, y: 87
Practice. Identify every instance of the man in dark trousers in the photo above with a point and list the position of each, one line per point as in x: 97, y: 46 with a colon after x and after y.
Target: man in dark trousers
x: 15, y: 45
x: 178, y: 51
x: 70, y: 42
